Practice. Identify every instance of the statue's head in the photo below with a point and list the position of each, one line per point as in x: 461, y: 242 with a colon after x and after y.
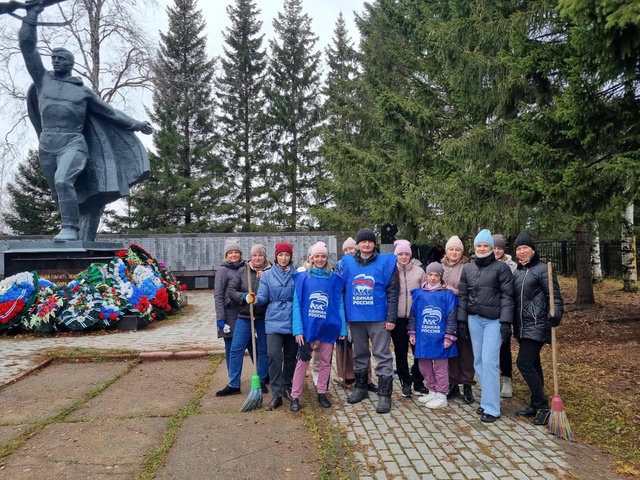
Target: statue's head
x: 62, y: 60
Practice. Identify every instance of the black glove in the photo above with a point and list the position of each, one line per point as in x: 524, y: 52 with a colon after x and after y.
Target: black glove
x: 304, y: 352
x: 554, y: 321
x: 505, y: 331
x: 463, y: 330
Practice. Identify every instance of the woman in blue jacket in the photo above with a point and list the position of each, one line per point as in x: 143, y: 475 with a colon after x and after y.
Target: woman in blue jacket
x: 318, y: 320
x: 276, y: 292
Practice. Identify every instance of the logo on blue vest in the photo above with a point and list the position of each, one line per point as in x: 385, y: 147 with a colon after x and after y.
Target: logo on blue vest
x: 363, y: 287
x: 431, y: 320
x: 319, y: 302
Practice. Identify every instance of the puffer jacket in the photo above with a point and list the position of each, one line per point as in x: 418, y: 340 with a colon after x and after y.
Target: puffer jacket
x: 226, y: 309
x: 276, y: 292
x: 532, y: 319
x: 409, y: 277
x: 486, y: 289
x: 238, y: 286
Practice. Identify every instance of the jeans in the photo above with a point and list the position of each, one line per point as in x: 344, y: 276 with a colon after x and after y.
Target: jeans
x: 227, y: 350
x: 242, y: 335
x: 282, y: 350
x: 486, y: 341
x: 528, y: 362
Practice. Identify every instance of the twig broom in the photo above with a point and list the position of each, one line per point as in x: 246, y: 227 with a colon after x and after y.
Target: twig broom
x: 254, y: 400
x: 558, y: 422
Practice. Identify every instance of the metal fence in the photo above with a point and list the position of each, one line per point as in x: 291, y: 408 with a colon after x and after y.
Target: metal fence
x: 562, y: 254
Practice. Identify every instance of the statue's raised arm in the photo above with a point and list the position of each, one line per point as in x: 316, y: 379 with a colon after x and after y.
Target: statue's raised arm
x: 88, y: 152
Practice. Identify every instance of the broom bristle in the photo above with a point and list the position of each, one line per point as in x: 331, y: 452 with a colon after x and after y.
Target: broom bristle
x: 559, y: 425
x: 254, y: 400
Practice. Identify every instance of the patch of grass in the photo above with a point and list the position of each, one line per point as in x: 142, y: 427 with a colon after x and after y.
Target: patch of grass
x: 155, y: 460
x: 98, y: 354
x: 11, y: 446
x: 334, y: 450
x: 596, y: 416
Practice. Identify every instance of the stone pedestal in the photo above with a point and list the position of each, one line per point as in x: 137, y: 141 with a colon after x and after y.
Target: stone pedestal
x: 58, y: 262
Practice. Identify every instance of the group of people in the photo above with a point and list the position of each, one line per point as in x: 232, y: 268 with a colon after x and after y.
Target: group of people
x: 457, y: 315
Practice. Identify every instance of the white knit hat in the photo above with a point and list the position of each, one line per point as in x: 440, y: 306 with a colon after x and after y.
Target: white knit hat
x: 454, y: 242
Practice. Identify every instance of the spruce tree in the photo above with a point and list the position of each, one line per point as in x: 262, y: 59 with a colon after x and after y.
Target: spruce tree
x: 295, y: 112
x: 243, y: 145
x: 185, y: 189
x: 33, y: 208
x: 338, y: 205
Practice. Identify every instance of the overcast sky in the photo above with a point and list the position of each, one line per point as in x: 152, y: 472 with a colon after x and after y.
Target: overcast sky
x: 323, y: 14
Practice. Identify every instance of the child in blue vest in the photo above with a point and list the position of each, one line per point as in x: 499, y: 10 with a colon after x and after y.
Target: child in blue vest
x: 318, y: 320
x: 432, y: 329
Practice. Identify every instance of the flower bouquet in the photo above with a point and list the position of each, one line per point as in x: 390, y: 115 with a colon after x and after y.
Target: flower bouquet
x: 82, y: 306
x: 95, y: 274
x: 149, y: 281
x: 137, y: 302
x: 42, y: 317
x: 17, y: 294
x: 113, y: 305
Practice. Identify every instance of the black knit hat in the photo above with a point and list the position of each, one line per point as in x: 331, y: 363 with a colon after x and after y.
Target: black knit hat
x: 524, y: 239
x: 365, y: 234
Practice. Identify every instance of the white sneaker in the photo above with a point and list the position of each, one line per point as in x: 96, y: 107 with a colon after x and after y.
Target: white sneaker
x: 507, y: 388
x: 315, y: 378
x: 439, y: 401
x: 428, y: 397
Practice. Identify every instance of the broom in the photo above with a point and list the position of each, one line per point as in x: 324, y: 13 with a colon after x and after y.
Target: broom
x: 558, y: 422
x: 254, y: 400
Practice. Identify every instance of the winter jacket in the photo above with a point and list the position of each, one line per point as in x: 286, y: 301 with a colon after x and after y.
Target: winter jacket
x: 276, y: 292
x: 226, y: 309
x: 509, y: 261
x: 452, y: 273
x: 532, y: 319
x: 318, y: 307
x: 371, y: 283
x: 238, y: 286
x: 409, y: 277
x: 486, y: 289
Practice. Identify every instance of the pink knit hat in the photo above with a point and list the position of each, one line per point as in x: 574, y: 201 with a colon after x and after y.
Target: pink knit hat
x: 319, y: 247
x: 402, y: 246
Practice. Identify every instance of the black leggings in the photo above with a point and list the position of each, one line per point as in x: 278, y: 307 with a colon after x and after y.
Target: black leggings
x: 528, y: 362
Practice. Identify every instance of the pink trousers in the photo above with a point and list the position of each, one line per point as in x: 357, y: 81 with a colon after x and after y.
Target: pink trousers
x: 324, y: 351
x: 436, y: 373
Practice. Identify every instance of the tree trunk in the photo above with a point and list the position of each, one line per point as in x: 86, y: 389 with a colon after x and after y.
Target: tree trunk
x: 583, y: 268
x: 596, y: 264
x: 627, y: 248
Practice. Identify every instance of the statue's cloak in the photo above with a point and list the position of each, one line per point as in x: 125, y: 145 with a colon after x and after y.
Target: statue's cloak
x: 117, y: 159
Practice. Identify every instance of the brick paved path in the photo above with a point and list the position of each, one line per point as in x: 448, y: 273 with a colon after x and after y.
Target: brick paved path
x: 411, y: 442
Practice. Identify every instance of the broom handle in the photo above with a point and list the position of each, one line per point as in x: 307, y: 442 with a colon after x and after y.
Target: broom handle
x: 253, y: 320
x: 554, y: 343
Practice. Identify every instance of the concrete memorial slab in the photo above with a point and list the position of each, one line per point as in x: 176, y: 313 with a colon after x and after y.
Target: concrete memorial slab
x: 161, y: 388
x: 113, y: 449
x: 44, y: 394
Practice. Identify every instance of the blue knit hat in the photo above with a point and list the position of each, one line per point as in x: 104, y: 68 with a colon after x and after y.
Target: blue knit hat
x: 483, y: 237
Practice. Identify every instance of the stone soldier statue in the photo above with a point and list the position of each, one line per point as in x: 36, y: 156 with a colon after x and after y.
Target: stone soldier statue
x: 88, y: 151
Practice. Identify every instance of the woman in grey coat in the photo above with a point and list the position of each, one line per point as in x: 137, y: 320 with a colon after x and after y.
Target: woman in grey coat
x: 226, y: 309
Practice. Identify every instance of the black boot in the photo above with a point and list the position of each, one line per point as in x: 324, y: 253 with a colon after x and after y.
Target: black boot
x: 385, y: 386
x: 454, y: 391
x: 468, y: 394
x: 360, y: 391
x: 323, y: 400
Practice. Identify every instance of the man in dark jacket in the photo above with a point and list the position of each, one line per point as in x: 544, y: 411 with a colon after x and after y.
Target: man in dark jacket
x: 533, y: 322
x: 371, y: 304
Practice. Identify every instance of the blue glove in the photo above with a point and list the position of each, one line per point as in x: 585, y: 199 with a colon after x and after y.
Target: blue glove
x: 220, y: 323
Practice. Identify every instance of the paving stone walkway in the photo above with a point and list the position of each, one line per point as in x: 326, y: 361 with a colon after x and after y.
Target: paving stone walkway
x: 411, y: 442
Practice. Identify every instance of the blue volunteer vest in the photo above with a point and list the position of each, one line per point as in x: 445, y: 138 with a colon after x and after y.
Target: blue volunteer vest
x: 319, y: 302
x: 365, y: 296
x: 431, y: 310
